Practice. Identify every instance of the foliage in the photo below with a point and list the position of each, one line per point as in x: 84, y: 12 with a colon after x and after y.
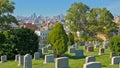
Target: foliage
x: 76, y: 15
x: 115, y: 45
x: 19, y: 41
x: 70, y: 39
x: 58, y: 39
x: 25, y: 40
x: 91, y: 21
x: 6, y: 17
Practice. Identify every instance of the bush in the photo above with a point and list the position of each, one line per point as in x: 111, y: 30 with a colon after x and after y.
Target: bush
x: 115, y: 45
x: 19, y: 41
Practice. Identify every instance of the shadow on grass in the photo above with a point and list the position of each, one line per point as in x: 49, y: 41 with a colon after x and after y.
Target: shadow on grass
x: 103, y: 65
x: 74, y: 57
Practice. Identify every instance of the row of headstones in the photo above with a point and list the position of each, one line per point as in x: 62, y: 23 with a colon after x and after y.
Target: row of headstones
x: 89, y: 49
x: 90, y: 62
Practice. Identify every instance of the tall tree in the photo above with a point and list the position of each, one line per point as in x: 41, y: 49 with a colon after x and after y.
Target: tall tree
x: 58, y: 39
x: 76, y: 15
x: 100, y: 20
x: 6, y: 17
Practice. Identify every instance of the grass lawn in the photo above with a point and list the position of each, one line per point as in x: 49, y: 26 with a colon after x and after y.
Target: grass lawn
x: 73, y: 62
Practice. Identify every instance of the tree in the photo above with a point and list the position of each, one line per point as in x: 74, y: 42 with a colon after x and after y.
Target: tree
x: 114, y: 45
x: 58, y: 39
x: 76, y: 15
x: 6, y: 17
x: 25, y: 40
x: 19, y: 41
x: 91, y: 21
x: 70, y: 39
x: 100, y: 21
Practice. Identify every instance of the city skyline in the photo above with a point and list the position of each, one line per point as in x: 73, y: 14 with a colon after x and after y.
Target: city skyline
x: 54, y: 7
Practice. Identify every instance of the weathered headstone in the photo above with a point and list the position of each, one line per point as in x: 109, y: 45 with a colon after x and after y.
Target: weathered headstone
x: 90, y: 49
x: 79, y: 53
x: 71, y: 50
x: 21, y: 60
x: 115, y: 60
x: 112, y: 54
x: 40, y: 52
x: 49, y: 58
x: 27, y: 61
x: 62, y: 62
x: 17, y: 57
x: 3, y: 58
x: 44, y: 50
x: 92, y: 65
x: 36, y: 56
x: 49, y: 47
x: 90, y: 59
x: 101, y: 51
x: 105, y: 44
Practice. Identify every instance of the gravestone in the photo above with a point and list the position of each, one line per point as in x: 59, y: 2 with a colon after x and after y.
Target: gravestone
x: 71, y: 50
x: 90, y: 49
x: 92, y: 65
x: 90, y: 59
x: 75, y: 46
x: 21, y: 60
x: 36, y: 56
x: 49, y: 58
x: 44, y: 50
x: 3, y: 58
x: 40, y: 52
x: 112, y: 54
x: 101, y: 51
x: 115, y: 60
x: 62, y: 62
x: 49, y: 47
x: 79, y: 53
x: 17, y: 57
x: 27, y: 61
x: 105, y: 44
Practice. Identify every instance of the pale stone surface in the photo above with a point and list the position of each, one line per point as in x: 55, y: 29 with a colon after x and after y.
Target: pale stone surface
x: 79, y: 53
x: 3, y: 58
x: 92, y: 65
x: 49, y: 47
x: 71, y: 50
x: 17, y: 57
x: 36, y: 56
x: 21, y: 60
x: 44, y: 50
x: 112, y: 54
x: 115, y: 60
x: 40, y: 52
x: 49, y: 58
x: 62, y: 62
x: 101, y: 51
x: 27, y: 61
x: 90, y: 59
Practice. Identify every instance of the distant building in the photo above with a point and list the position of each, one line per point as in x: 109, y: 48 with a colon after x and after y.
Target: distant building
x: 29, y: 25
x: 42, y: 35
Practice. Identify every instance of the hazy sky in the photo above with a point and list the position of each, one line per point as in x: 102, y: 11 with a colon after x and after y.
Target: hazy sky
x: 55, y: 7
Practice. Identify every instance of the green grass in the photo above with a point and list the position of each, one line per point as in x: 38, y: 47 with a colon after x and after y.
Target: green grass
x: 73, y: 61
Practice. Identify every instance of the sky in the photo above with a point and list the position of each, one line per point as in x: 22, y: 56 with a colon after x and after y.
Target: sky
x: 56, y: 7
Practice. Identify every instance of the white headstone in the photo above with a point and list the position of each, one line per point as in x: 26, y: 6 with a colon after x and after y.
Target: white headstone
x: 92, y: 65
x: 27, y: 61
x: 62, y: 62
x: 115, y: 60
x: 49, y: 58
